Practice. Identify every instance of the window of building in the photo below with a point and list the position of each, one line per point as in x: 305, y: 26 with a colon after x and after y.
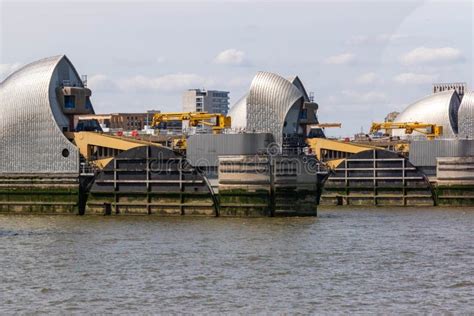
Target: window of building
x: 304, y: 114
x: 69, y: 101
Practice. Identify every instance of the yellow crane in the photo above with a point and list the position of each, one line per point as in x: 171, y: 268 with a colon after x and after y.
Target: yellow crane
x: 430, y: 130
x: 217, y: 121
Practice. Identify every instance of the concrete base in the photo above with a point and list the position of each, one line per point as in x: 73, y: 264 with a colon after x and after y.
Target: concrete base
x: 267, y: 186
x: 171, y: 204
x: 39, y: 194
x: 454, y: 195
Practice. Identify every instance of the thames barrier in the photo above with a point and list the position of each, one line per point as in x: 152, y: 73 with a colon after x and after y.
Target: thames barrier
x: 268, y: 156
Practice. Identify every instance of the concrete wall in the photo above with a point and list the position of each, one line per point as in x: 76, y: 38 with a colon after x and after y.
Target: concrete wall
x: 454, y: 185
x: 39, y: 194
x: 423, y: 153
x: 204, y: 149
x: 455, y: 170
x: 267, y: 186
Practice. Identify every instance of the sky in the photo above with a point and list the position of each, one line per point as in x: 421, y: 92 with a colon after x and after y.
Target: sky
x: 361, y: 59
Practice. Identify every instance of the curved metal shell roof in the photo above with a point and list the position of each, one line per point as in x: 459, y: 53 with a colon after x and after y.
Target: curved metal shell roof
x: 466, y: 116
x: 297, y: 82
x: 265, y: 108
x: 31, y: 120
x: 238, y: 113
x: 439, y: 108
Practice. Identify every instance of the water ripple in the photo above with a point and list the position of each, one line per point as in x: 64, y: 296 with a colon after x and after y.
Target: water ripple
x: 361, y: 261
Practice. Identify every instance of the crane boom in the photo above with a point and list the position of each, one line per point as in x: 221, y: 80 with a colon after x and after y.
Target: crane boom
x: 219, y: 121
x: 430, y: 130
x: 325, y: 125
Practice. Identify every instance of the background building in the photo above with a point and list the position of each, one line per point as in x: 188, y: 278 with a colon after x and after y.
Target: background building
x: 211, y: 101
x: 113, y: 122
x: 119, y: 121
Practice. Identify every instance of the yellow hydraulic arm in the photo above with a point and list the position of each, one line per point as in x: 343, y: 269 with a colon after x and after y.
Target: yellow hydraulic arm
x: 100, y: 149
x: 219, y: 123
x: 333, y: 152
x: 430, y: 130
x: 326, y: 125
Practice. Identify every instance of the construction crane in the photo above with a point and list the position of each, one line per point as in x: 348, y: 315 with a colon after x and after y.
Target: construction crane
x: 217, y: 121
x: 429, y: 130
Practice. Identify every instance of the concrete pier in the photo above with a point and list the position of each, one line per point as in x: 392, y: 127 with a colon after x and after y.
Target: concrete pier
x: 267, y: 186
x: 454, y: 183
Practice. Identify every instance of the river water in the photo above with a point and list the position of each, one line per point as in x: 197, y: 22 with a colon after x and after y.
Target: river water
x: 360, y: 261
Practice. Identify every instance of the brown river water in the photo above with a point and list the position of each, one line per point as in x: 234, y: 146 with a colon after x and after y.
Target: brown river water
x: 384, y: 261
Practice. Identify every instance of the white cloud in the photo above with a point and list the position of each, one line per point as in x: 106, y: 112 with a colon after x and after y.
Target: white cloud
x: 171, y: 82
x: 7, y: 69
x: 413, y: 78
x: 341, y: 59
x: 101, y: 82
x: 375, y: 39
x: 167, y: 83
x: 332, y: 99
x: 359, y: 40
x: 364, y: 97
x: 390, y: 37
x: 367, y: 78
x: 425, y: 55
x: 230, y: 56
x: 355, y: 100
x: 138, y: 61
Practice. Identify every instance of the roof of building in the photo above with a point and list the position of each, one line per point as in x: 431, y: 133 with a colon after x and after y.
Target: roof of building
x: 466, y: 116
x: 267, y: 104
x: 32, y: 120
x: 438, y: 108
